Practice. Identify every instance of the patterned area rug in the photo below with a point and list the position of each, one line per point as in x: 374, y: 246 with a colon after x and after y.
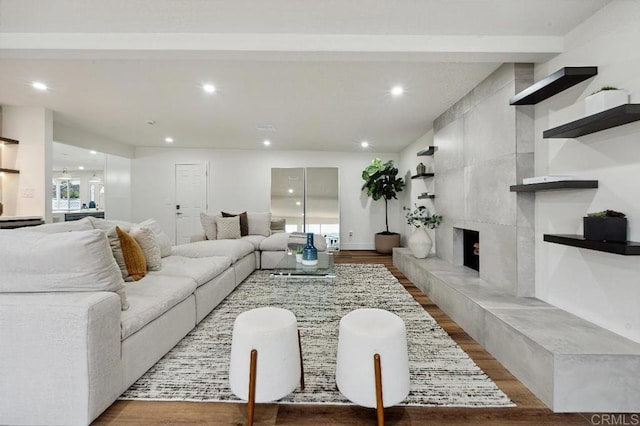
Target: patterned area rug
x: 442, y: 374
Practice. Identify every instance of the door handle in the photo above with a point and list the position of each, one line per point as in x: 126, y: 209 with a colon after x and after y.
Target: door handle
x: 178, y: 213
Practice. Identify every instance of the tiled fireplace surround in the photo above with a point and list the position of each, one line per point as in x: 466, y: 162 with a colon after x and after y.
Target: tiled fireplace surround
x: 484, y: 146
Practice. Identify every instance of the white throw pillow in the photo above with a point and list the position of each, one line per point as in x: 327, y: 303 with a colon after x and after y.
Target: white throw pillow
x: 68, y: 261
x: 163, y: 239
x: 259, y: 223
x: 209, y: 226
x: 228, y: 227
x: 148, y: 242
x: 105, y: 225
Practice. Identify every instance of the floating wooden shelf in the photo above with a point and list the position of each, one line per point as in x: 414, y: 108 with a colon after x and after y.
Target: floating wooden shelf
x: 549, y: 186
x: 555, y: 83
x: 618, y: 116
x: 422, y: 176
x: 625, y: 248
x: 425, y: 196
x: 9, y: 170
x: 5, y: 141
x: 427, y: 151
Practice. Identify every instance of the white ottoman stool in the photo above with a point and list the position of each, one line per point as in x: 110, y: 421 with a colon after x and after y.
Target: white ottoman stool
x: 372, y: 367
x: 266, y: 356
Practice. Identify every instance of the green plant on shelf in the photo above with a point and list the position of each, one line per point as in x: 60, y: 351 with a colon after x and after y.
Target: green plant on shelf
x: 605, y: 88
x: 420, y: 217
x: 606, y: 213
x: 299, y: 250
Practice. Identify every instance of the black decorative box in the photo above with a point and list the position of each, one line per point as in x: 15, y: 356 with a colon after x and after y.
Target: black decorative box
x: 605, y: 228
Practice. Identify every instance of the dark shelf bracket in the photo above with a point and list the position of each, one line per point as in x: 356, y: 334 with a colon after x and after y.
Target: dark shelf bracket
x: 618, y: 116
x: 422, y: 176
x: 553, y: 84
x: 426, y: 196
x: 9, y: 170
x: 428, y: 151
x: 624, y: 248
x: 550, y: 186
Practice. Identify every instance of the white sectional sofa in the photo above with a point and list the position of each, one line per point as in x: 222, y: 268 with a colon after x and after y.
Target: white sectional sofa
x: 67, y: 347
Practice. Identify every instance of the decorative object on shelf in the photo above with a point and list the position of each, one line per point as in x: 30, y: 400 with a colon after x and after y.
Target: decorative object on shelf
x: 299, y: 255
x: 309, y: 252
x: 421, y: 169
x: 607, y: 225
x: 553, y: 84
x: 420, y: 243
x: 382, y: 181
x: 606, y: 98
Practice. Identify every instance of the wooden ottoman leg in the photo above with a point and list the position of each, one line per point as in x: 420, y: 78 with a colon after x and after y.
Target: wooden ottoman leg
x: 379, y: 404
x: 301, y: 363
x: 251, y: 403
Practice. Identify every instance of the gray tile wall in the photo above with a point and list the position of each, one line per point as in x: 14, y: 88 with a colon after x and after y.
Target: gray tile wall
x: 484, y: 146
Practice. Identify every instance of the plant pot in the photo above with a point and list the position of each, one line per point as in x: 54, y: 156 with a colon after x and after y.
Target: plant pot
x: 420, y: 243
x: 298, y: 257
x: 605, y: 228
x: 605, y: 100
x: 385, y: 242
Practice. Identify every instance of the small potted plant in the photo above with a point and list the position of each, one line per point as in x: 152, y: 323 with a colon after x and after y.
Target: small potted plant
x: 606, y: 98
x: 607, y: 225
x: 420, y: 242
x: 299, y: 254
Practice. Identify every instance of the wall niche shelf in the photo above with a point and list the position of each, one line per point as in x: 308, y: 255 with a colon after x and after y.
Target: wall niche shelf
x: 426, y: 196
x: 618, y: 116
x: 553, y: 84
x: 7, y: 141
x: 428, y: 151
x: 550, y: 186
x: 3, y: 170
x: 625, y: 248
x: 422, y: 176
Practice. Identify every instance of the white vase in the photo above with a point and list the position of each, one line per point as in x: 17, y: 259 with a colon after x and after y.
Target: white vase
x: 420, y: 243
x: 604, y: 100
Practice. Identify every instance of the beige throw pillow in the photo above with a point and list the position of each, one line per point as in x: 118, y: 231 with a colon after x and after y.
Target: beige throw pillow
x: 163, y: 239
x: 228, y: 227
x: 148, y: 242
x: 209, y: 226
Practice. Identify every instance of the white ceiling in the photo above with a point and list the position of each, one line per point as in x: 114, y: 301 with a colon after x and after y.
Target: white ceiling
x: 319, y: 72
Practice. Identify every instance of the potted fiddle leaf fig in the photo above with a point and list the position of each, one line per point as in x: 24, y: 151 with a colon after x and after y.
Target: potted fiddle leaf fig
x: 381, y: 181
x: 607, y: 225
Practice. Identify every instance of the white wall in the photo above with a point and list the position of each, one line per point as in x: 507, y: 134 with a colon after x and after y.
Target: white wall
x: 77, y: 137
x: 239, y: 180
x: 118, y: 188
x: 600, y: 287
x: 409, y: 160
x: 28, y: 193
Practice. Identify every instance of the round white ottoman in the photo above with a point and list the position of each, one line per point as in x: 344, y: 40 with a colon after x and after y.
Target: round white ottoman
x: 273, y: 334
x: 364, y: 333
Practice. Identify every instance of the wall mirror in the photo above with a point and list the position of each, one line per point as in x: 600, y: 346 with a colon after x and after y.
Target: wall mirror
x: 308, y: 200
x: 77, y: 185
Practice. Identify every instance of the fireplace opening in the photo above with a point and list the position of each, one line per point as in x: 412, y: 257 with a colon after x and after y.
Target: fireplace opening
x: 471, y: 249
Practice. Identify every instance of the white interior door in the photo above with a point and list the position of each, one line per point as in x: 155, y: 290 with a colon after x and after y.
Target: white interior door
x: 191, y: 199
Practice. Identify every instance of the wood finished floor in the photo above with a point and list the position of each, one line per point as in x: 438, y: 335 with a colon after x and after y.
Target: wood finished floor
x: 529, y: 411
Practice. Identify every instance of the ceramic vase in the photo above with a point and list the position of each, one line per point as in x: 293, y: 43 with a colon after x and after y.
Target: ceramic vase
x: 309, y: 252
x: 298, y: 257
x: 420, y: 243
x: 604, y: 100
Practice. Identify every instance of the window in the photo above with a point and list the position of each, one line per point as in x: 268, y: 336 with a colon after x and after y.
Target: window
x: 65, y: 195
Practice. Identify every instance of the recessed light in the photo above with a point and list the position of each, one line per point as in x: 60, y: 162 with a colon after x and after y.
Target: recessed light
x: 80, y: 167
x: 93, y: 152
x: 397, y: 90
x: 39, y: 85
x: 168, y: 139
x: 290, y: 190
x: 209, y: 88
x: 364, y: 144
x: 266, y: 142
x: 298, y: 203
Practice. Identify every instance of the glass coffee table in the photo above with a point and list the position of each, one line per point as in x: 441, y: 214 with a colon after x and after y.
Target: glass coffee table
x: 288, y: 267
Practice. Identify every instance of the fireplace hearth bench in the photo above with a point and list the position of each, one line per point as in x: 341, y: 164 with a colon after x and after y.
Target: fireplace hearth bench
x: 572, y: 365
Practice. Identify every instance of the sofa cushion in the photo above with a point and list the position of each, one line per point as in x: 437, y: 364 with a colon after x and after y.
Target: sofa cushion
x: 279, y: 242
x: 151, y: 297
x: 201, y: 270
x: 254, y: 239
x: 83, y: 224
x: 68, y: 261
x: 163, y: 239
x: 105, y: 225
x: 133, y: 256
x: 278, y: 224
x: 228, y: 227
x: 148, y: 242
x: 244, y: 225
x: 259, y: 223
x: 209, y: 226
x: 234, y: 249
